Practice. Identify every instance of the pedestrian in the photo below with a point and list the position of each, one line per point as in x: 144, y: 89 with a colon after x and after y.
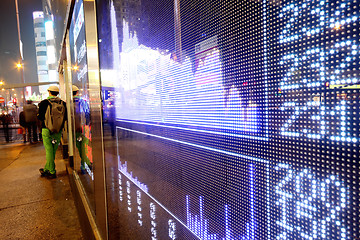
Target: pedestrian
x: 82, y: 118
x: 6, y: 121
x: 52, y: 114
x: 23, y: 125
x: 30, y: 114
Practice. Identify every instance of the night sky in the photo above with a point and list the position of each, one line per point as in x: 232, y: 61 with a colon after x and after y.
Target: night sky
x: 9, y: 45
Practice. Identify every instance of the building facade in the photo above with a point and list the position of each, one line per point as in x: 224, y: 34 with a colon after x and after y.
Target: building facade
x: 41, y: 50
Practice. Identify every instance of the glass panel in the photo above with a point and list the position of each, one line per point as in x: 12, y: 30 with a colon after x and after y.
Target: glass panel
x: 231, y: 119
x: 81, y: 118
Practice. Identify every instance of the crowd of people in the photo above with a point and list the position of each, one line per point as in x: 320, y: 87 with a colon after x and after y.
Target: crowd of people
x: 26, y: 123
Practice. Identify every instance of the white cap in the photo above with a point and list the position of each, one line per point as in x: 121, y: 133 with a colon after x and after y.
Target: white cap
x: 53, y: 89
x: 75, y: 88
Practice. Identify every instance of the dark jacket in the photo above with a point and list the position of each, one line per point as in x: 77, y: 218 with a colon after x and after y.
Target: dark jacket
x: 30, y: 113
x: 43, y: 105
x: 22, y: 119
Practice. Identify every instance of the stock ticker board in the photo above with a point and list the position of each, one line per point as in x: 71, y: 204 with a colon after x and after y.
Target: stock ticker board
x: 234, y: 120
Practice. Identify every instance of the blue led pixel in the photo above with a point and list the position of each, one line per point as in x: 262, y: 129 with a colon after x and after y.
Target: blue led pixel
x: 310, y: 207
x: 265, y: 82
x: 329, y: 63
x: 163, y: 90
x: 200, y: 225
x: 124, y: 170
x: 323, y: 15
x: 172, y: 229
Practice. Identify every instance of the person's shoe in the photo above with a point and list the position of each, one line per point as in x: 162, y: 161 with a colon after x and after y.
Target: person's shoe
x: 43, y: 173
x: 51, y: 176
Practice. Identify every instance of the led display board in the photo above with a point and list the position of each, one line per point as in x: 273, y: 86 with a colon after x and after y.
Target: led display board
x: 234, y: 120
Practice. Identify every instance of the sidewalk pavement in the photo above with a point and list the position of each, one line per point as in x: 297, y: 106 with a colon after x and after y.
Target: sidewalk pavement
x: 33, y: 207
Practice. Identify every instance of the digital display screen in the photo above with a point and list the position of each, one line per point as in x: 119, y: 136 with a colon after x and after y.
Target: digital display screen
x: 233, y: 120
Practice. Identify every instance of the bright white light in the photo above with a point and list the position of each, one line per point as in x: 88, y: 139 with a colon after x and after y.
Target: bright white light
x: 38, y: 14
x: 49, y: 30
x: 50, y: 54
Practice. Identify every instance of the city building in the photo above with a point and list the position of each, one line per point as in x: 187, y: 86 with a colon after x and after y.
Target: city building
x: 41, y: 49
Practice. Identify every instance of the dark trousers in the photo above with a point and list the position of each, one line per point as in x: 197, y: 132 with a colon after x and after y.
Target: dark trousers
x: 7, y: 132
x: 32, y: 130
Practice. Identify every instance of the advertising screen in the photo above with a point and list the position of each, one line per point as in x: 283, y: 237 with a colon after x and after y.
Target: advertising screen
x: 231, y: 120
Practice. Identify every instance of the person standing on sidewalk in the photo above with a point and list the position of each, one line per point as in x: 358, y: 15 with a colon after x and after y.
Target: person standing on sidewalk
x: 52, y: 114
x: 30, y: 113
x: 23, y: 125
x: 6, y: 121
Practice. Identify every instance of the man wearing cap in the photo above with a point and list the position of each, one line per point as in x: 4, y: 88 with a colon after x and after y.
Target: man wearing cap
x: 51, y: 140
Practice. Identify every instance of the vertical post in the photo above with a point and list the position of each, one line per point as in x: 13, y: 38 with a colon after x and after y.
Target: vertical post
x: 96, y: 115
x: 178, y: 49
x: 69, y: 103
x: 69, y: 100
x: 20, y: 53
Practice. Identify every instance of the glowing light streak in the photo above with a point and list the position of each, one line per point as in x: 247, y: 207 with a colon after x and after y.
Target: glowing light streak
x: 197, y: 130
x: 88, y: 170
x: 255, y: 159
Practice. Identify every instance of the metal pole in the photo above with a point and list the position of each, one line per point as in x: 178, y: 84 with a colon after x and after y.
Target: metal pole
x: 178, y: 48
x: 20, y: 55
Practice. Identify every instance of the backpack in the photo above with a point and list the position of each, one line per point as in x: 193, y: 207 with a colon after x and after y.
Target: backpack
x: 30, y: 113
x: 54, y: 116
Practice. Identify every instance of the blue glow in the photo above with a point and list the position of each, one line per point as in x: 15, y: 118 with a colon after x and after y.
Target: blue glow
x: 200, y: 225
x: 250, y: 227
x: 139, y: 208
x: 170, y: 92
x: 323, y: 20
x: 153, y: 228
x: 313, y: 200
x: 340, y: 110
x: 255, y: 159
x: 172, y: 229
x: 198, y: 130
x: 124, y: 170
